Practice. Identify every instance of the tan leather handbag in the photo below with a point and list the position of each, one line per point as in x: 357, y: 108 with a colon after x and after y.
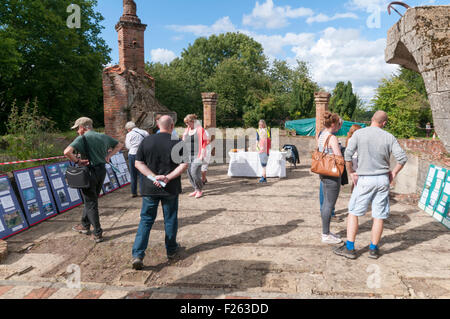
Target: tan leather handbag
x: 327, y: 164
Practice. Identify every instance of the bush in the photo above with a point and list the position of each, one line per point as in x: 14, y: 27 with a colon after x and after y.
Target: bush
x: 29, y: 134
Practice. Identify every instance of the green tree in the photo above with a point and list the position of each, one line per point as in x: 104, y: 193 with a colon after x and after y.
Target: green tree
x: 407, y: 109
x: 60, y: 66
x: 343, y: 101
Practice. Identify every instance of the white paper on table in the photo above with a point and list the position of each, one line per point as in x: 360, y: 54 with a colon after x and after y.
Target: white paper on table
x: 57, y: 183
x: 24, y: 180
x: 44, y: 196
x: 7, y: 202
x: 73, y: 194
x: 2, y: 228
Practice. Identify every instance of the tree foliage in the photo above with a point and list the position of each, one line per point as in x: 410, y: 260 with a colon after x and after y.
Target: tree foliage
x: 404, y: 99
x: 44, y: 59
x: 343, y: 101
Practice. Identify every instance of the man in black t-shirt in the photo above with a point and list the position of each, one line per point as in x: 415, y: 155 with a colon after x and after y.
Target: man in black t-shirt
x: 158, y: 158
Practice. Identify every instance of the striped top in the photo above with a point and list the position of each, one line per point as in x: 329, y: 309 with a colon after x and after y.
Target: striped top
x: 322, y: 139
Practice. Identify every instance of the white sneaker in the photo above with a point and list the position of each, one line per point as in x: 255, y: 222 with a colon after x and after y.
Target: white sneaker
x: 331, y: 239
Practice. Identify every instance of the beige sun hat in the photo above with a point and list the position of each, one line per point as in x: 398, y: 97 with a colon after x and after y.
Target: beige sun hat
x: 83, y: 121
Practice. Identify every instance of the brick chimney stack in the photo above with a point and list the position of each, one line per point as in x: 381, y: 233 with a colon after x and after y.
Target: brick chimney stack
x: 131, y: 39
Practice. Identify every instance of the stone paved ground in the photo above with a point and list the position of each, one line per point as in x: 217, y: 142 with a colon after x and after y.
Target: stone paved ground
x: 241, y: 240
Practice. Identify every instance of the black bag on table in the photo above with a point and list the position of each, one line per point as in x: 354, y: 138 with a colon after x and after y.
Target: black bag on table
x: 79, y: 177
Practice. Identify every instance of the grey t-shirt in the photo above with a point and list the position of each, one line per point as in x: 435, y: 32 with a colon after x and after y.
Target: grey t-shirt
x: 374, y: 146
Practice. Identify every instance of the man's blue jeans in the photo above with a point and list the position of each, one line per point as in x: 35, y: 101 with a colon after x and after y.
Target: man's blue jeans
x: 148, y: 216
x: 321, y: 199
x: 135, y: 174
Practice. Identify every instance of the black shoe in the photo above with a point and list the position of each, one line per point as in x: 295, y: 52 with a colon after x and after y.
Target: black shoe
x: 173, y: 254
x: 343, y: 251
x: 374, y: 253
x: 97, y: 239
x: 134, y: 196
x: 138, y: 264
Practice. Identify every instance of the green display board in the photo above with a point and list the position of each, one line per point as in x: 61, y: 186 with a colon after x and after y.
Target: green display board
x: 436, y: 190
x: 429, y: 181
x: 442, y: 206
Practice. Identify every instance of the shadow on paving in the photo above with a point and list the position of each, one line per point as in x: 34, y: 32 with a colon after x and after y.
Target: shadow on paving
x: 159, y: 224
x: 249, y: 237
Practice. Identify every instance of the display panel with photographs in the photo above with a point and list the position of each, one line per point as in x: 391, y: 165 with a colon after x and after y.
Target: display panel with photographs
x: 66, y: 198
x: 12, y: 219
x: 34, y: 191
x: 122, y: 172
x: 110, y: 184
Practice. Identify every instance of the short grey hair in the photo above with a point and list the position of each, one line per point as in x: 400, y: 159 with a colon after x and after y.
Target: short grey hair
x: 130, y: 126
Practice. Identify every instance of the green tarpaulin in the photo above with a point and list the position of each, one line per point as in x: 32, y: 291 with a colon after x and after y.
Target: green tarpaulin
x: 307, y: 127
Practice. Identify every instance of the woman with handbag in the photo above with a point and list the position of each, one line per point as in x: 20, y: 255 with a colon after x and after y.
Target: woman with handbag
x: 327, y: 143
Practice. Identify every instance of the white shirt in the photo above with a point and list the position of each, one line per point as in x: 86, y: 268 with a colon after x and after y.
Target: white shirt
x: 134, y: 139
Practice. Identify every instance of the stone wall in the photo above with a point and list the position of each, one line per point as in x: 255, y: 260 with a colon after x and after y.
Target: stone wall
x: 420, y: 41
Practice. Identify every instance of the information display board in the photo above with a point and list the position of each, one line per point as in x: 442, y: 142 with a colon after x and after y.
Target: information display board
x: 65, y: 197
x: 12, y: 219
x: 442, y: 206
x: 122, y: 172
x: 110, y: 184
x: 436, y: 189
x: 36, y: 194
x: 431, y: 176
x: 446, y: 221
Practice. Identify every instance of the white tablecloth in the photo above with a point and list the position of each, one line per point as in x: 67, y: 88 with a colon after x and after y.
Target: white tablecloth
x: 247, y: 164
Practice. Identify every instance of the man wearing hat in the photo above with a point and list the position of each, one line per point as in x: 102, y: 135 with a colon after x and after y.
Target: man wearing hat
x: 101, y: 148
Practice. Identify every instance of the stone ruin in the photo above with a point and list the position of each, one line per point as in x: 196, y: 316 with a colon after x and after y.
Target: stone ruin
x: 420, y: 41
x: 128, y: 91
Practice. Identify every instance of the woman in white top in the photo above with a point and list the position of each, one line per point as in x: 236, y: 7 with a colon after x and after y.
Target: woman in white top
x: 331, y: 185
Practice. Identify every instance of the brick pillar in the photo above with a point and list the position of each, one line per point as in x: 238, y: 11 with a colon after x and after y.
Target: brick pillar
x: 209, y: 114
x: 322, y: 101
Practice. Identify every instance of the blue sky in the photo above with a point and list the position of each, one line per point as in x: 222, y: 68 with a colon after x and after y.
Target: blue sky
x: 341, y: 40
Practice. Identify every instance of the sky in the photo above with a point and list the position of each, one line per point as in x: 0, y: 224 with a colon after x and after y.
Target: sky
x: 341, y: 40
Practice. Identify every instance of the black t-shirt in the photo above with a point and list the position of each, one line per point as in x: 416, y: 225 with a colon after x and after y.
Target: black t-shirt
x: 156, y: 152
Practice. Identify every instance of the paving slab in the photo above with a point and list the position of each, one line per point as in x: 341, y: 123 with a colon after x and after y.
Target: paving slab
x: 241, y: 240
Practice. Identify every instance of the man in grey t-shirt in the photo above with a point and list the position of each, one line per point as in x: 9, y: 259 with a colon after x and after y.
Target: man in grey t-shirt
x: 372, y: 179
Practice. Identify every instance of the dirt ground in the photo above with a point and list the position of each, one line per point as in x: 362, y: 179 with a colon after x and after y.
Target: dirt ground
x: 241, y: 239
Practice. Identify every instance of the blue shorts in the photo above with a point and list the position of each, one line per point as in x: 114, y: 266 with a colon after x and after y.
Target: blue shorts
x: 264, y: 158
x: 372, y: 190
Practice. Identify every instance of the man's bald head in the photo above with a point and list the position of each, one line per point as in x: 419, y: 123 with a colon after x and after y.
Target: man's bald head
x: 165, y: 123
x: 380, y: 118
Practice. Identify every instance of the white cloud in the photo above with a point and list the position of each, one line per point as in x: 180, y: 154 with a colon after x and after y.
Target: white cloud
x: 222, y: 25
x: 324, y: 18
x: 267, y: 15
x: 344, y: 55
x: 368, y: 5
x: 162, y: 56
x: 273, y: 45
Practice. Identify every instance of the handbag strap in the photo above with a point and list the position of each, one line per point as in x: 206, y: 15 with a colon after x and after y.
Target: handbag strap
x: 325, y: 145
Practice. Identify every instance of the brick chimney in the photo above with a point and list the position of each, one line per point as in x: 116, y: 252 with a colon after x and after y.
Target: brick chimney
x: 322, y: 100
x: 209, y: 115
x: 131, y: 39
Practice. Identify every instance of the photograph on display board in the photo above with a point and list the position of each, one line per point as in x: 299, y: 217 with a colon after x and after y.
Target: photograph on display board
x: 29, y: 194
x: 53, y: 169
x: 4, y: 186
x: 13, y: 219
x: 48, y: 208
x: 33, y: 208
x: 62, y: 197
x: 40, y: 183
x: 37, y: 173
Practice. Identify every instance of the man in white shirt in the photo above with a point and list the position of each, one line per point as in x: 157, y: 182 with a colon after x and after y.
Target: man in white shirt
x: 133, y: 139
